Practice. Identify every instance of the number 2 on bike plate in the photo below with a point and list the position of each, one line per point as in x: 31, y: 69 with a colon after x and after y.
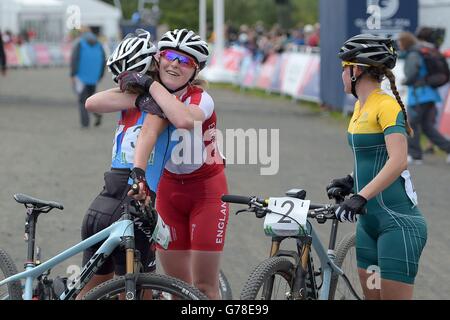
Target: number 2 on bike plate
x: 288, y: 217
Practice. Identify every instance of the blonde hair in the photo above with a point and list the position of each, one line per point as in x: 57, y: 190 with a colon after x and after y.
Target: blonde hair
x: 378, y: 73
x: 200, y: 83
x: 391, y: 77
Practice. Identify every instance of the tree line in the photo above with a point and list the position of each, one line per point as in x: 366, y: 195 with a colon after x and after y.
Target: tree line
x: 287, y: 13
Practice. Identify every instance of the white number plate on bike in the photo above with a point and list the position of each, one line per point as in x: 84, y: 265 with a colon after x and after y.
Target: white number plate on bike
x: 288, y: 217
x: 161, y: 234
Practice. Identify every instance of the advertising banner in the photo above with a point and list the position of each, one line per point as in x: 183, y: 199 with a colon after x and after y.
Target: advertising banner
x: 43, y: 57
x: 267, y: 72
x: 294, y: 71
x: 383, y: 17
x: 12, y: 55
x: 309, y: 88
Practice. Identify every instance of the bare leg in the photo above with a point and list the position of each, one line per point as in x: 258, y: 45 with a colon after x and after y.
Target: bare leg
x: 95, y: 281
x: 177, y: 263
x: 370, y: 289
x: 395, y: 290
x: 205, y: 270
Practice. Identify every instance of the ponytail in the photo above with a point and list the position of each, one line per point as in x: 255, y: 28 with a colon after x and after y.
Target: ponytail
x: 388, y: 73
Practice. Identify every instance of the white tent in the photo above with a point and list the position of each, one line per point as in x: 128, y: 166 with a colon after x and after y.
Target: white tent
x: 96, y: 13
x: 51, y: 17
x: 16, y: 15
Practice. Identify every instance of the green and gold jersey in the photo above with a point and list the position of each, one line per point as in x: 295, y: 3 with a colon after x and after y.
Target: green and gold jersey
x: 380, y: 116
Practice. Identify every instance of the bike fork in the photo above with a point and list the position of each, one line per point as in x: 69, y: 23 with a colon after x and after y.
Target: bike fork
x: 299, y: 286
x: 130, y: 276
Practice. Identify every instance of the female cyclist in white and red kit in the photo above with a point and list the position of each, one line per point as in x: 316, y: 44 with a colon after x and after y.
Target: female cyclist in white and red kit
x: 190, y: 190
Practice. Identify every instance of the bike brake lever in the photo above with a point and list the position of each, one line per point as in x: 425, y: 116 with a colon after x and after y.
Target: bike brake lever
x: 242, y: 210
x: 261, y: 212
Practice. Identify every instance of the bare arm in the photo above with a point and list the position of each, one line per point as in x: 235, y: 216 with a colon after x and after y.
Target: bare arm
x: 151, y: 129
x: 177, y: 113
x: 111, y: 100
x: 397, y: 146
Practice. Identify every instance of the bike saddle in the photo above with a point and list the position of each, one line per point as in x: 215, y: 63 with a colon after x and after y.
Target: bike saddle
x: 30, y: 201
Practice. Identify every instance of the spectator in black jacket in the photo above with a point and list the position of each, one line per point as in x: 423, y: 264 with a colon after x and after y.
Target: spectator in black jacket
x: 2, y: 56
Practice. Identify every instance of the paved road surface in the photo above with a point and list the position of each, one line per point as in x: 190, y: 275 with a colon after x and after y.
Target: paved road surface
x: 44, y: 153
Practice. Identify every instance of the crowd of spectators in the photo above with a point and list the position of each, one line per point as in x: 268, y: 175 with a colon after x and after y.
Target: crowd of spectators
x: 262, y: 41
x: 18, y: 39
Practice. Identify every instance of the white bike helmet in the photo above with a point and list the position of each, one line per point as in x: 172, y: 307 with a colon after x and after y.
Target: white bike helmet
x: 134, y: 52
x: 187, y: 42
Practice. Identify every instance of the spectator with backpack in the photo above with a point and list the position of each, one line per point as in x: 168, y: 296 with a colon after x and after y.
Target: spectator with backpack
x: 432, y: 37
x: 425, y: 70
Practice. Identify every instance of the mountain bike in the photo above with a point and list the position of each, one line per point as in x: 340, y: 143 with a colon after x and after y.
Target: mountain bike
x: 133, y: 285
x: 291, y: 274
x: 225, y: 292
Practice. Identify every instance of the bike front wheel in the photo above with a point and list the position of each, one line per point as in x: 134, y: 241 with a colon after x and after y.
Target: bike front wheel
x: 163, y: 288
x: 346, y: 260
x: 271, y: 280
x: 224, y: 287
x: 13, y: 290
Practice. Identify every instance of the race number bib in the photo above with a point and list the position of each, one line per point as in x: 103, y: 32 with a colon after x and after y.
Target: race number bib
x: 409, y: 187
x: 161, y: 234
x: 288, y: 217
x: 129, y: 143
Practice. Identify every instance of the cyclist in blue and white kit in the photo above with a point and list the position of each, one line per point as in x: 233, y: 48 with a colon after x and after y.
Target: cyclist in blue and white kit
x: 135, y: 52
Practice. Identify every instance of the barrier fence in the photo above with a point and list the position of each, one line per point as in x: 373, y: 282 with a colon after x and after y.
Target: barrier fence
x: 37, y: 54
x: 296, y: 74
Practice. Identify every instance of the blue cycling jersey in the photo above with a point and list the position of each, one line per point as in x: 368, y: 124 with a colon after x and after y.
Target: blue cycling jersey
x: 127, y: 131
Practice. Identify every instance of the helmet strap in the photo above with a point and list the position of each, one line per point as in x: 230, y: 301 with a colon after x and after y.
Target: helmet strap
x: 354, y: 80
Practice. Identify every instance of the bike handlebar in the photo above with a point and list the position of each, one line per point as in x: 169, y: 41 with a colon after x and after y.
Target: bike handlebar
x: 259, y: 206
x: 236, y: 199
x: 262, y: 202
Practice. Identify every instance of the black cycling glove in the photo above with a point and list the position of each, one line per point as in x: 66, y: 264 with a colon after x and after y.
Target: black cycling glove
x: 145, y: 103
x: 346, y: 184
x: 348, y: 209
x: 138, y: 175
x: 134, y: 81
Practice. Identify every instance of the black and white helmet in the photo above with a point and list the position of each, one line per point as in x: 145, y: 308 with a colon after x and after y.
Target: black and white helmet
x: 134, y: 52
x: 187, y: 42
x: 369, y: 49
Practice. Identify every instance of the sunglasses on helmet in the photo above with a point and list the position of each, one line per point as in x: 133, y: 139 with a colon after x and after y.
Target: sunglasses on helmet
x: 182, y: 59
x: 348, y: 63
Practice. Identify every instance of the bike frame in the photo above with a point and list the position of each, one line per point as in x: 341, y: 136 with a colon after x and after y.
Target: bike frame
x: 327, y: 263
x: 326, y: 257
x: 114, y: 235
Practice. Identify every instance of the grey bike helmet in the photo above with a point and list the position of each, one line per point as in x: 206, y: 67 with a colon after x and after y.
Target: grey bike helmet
x: 188, y: 42
x: 134, y: 52
x: 369, y: 49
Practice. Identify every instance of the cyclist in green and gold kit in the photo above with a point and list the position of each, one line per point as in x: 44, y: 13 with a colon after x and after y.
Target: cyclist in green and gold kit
x: 393, y: 232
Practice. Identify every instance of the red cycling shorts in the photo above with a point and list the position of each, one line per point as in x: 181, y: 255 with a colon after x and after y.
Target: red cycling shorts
x: 194, y: 211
